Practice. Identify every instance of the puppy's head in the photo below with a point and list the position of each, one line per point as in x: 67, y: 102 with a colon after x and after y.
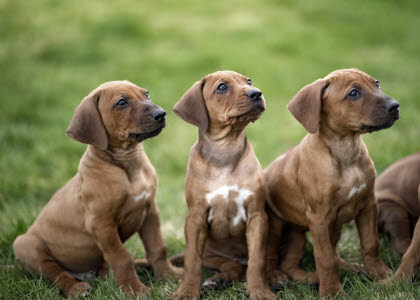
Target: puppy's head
x: 346, y: 101
x: 116, y: 113
x: 221, y: 99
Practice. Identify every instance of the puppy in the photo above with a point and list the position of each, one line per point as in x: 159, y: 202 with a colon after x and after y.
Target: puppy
x: 411, y: 259
x: 226, y: 226
x: 81, y: 230
x: 328, y: 179
x: 399, y: 208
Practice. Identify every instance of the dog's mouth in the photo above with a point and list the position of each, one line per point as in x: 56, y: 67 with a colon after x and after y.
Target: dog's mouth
x: 252, y: 115
x: 370, y: 128
x: 139, y: 137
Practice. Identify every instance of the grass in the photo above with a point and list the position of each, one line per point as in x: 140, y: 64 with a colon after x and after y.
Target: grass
x: 53, y: 53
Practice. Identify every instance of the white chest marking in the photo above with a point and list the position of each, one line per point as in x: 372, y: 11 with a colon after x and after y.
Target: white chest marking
x: 223, y: 191
x: 142, y: 196
x: 356, y: 190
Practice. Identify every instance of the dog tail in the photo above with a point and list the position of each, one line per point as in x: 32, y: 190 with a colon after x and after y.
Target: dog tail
x: 177, y: 259
x: 142, y: 263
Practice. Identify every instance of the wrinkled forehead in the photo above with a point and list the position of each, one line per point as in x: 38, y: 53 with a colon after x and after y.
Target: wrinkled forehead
x: 114, y: 89
x: 348, y: 77
x: 226, y: 77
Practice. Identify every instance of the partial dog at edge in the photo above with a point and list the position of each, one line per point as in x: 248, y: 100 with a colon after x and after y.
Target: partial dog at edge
x: 80, y: 232
x: 328, y: 179
x: 224, y: 187
x: 399, y: 208
x: 411, y: 260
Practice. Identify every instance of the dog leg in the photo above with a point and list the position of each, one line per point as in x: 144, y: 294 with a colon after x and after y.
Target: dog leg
x: 324, y: 252
x: 296, y: 241
x: 395, y: 221
x: 103, y: 270
x: 31, y: 253
x: 156, y: 249
x: 411, y: 259
x: 195, y: 238
x: 229, y: 271
x: 366, y: 223
x: 116, y: 256
x: 353, y: 267
x: 256, y: 237
x: 275, y: 276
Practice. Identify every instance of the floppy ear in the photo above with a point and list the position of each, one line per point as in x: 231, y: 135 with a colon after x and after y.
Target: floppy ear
x: 192, y: 108
x: 306, y: 105
x: 87, y: 126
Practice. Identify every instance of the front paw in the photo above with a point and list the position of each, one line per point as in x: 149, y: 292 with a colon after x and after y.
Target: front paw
x: 379, y: 270
x: 328, y: 290
x: 187, y: 292
x: 277, y: 279
x: 137, y: 288
x: 79, y: 288
x: 260, y: 293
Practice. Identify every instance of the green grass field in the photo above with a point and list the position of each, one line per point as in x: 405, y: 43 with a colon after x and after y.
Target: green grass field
x: 53, y: 53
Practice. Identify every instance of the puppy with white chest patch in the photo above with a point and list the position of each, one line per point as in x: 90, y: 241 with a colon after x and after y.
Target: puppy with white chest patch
x: 328, y: 179
x: 80, y: 232
x: 226, y: 227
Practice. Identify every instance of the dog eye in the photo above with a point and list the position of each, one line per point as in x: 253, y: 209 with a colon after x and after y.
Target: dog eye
x: 354, y: 93
x: 249, y: 81
x: 222, y: 87
x: 377, y: 84
x: 147, y: 94
x: 122, y: 103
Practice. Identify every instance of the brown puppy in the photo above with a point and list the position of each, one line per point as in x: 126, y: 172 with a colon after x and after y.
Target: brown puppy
x: 399, y: 208
x: 81, y: 230
x: 224, y: 187
x: 411, y: 259
x: 328, y: 179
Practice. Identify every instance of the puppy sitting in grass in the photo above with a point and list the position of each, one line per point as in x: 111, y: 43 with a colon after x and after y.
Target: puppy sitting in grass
x: 80, y: 232
x: 328, y: 179
x: 226, y: 226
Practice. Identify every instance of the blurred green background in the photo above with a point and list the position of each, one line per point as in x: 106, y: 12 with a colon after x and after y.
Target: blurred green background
x: 53, y: 53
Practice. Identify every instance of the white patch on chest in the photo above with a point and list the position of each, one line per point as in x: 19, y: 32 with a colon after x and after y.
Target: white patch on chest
x: 223, y: 191
x: 356, y: 190
x: 142, y: 196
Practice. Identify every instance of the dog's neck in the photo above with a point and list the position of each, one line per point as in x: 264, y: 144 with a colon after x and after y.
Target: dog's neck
x: 222, y: 146
x: 345, y: 148
x: 129, y: 159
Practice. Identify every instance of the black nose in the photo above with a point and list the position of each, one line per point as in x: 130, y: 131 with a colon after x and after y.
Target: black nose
x: 392, y: 106
x: 159, y: 115
x: 254, y: 95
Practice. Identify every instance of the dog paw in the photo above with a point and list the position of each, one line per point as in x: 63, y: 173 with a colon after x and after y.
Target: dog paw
x: 137, y: 288
x: 277, y: 279
x: 330, y: 290
x: 214, y: 284
x: 186, y: 293
x: 262, y: 293
x: 281, y: 284
x: 79, y: 288
x: 379, y: 271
